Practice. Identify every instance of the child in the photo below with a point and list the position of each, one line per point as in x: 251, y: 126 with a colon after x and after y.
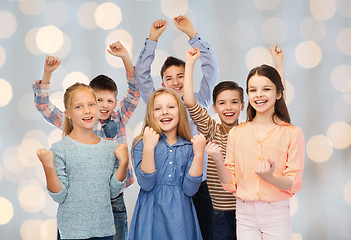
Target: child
x: 111, y: 124
x: 264, y: 160
x: 81, y: 171
x: 168, y: 170
x: 228, y: 102
x: 172, y: 74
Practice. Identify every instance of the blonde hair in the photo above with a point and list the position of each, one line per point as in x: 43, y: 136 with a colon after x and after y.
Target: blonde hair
x: 67, y: 100
x: 183, y: 127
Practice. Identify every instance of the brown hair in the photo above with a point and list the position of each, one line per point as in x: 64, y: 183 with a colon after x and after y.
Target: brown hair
x: 280, y: 108
x: 183, y: 128
x: 227, y: 85
x: 171, y: 61
x: 67, y: 100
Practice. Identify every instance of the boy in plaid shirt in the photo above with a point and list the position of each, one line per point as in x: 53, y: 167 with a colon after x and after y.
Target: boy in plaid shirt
x: 111, y: 124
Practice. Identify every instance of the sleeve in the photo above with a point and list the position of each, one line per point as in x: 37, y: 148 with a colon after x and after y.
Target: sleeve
x: 143, y: 70
x: 49, y: 111
x: 210, y: 70
x: 129, y: 102
x: 204, y: 123
x: 230, y: 162
x: 115, y: 185
x: 146, y: 181
x: 295, y: 160
x: 191, y: 184
x: 60, y: 168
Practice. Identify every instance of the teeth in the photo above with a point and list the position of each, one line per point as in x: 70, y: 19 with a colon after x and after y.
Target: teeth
x: 166, y: 119
x: 229, y: 114
x: 260, y: 101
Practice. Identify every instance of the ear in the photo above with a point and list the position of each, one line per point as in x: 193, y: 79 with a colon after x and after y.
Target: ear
x: 279, y: 95
x: 67, y: 114
x: 242, y: 106
x: 214, y: 108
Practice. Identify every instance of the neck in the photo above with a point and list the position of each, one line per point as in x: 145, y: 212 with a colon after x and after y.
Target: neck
x: 230, y: 126
x: 172, y: 137
x: 264, y: 118
x: 83, y: 135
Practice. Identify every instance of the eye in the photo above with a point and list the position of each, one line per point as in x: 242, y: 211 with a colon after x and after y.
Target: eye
x: 252, y: 90
x: 157, y: 108
x: 99, y: 99
x: 181, y: 76
x: 78, y: 107
x: 168, y: 79
x: 110, y: 101
x: 220, y: 103
x: 266, y: 89
x: 235, y: 102
x: 92, y: 104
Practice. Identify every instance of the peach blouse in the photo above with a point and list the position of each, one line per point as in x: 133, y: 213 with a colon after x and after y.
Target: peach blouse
x: 284, y: 144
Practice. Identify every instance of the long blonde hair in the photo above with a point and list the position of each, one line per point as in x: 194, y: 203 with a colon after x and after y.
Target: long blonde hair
x: 183, y: 127
x: 67, y: 100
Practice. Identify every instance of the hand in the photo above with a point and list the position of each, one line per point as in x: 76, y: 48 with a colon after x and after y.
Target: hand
x: 117, y: 49
x: 214, y: 151
x: 150, y: 138
x: 192, y: 55
x: 46, y: 157
x: 185, y: 25
x: 277, y: 54
x: 157, y: 29
x: 199, y: 143
x: 265, y: 169
x: 51, y: 64
x: 121, y: 152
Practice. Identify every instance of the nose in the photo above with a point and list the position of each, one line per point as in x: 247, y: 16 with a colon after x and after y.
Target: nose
x: 86, y: 110
x: 228, y: 106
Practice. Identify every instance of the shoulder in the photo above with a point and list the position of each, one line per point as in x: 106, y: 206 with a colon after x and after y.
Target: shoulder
x: 240, y: 127
x: 61, y: 143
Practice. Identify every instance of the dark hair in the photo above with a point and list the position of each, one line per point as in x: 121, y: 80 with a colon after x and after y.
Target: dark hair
x: 103, y: 82
x: 280, y: 108
x: 171, y: 61
x: 227, y: 85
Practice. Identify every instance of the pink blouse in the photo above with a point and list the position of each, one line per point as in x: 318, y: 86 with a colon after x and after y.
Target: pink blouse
x: 284, y: 144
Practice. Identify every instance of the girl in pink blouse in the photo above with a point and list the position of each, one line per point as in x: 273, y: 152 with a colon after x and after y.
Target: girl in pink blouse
x: 264, y: 160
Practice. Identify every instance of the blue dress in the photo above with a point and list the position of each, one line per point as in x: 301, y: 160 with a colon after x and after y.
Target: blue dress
x: 164, y: 208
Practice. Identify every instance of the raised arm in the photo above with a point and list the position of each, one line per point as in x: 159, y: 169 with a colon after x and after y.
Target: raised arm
x: 278, y: 58
x: 130, y: 101
x: 41, y: 94
x: 209, y: 65
x: 146, y: 58
x: 188, y: 88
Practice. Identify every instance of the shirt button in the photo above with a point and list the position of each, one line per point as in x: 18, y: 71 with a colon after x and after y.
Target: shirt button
x: 169, y: 175
x: 170, y: 162
x: 171, y: 150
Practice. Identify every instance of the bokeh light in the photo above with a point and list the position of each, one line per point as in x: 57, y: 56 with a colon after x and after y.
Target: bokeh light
x: 137, y: 129
x: 274, y: 30
x: 54, y: 136
x: 31, y: 196
x: 5, y: 92
x: 343, y: 41
x: 30, y: 230
x: 266, y: 4
x: 73, y: 78
x: 2, y: 56
x: 31, y: 43
x: 181, y: 46
x: 347, y: 192
x: 48, y: 229
x: 85, y: 15
x: 173, y: 8
x: 8, y: 24
x: 308, y: 54
x: 26, y: 152
x: 319, y: 148
x: 108, y: 15
x: 290, y: 92
x: 80, y: 64
x: 339, y: 134
x: 296, y: 236
x: 257, y: 56
x: 341, y: 78
x: 32, y: 7
x: 323, y: 10
x: 344, y: 7
x: 49, y: 39
x: 160, y: 58
x: 26, y: 108
x: 56, y: 13
x: 56, y: 98
x: 50, y: 206
x: 6, y: 209
x: 65, y: 48
x: 312, y: 29
x: 127, y: 41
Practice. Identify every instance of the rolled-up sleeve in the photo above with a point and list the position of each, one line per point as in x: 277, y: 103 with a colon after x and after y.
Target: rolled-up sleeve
x: 60, y: 168
x: 146, y: 181
x: 191, y: 184
x: 295, y: 161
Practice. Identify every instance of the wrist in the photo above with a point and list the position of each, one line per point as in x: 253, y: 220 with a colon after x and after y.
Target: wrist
x: 153, y: 38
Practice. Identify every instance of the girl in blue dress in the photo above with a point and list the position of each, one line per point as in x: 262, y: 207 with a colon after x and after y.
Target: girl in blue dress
x: 168, y: 166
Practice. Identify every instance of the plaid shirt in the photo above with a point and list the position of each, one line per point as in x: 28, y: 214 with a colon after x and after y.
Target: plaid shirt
x: 56, y: 117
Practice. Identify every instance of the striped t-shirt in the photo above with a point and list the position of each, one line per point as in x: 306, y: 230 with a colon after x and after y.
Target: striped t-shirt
x: 221, y: 199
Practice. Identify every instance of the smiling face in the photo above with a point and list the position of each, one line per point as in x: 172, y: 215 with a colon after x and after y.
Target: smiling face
x: 107, y: 102
x: 173, y: 77
x: 83, y: 110
x: 228, y: 106
x: 166, y: 113
x: 262, y: 94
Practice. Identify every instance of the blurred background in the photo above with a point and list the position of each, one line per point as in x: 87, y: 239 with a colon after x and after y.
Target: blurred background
x: 315, y: 36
